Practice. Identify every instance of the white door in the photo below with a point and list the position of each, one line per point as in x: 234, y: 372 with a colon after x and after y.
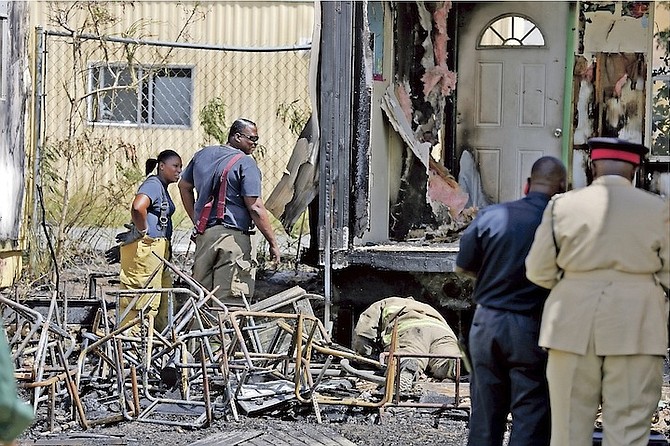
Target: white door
x: 511, y: 67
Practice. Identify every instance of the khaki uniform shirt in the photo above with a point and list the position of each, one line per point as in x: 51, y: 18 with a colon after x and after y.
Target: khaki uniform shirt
x: 407, y: 311
x: 603, y: 250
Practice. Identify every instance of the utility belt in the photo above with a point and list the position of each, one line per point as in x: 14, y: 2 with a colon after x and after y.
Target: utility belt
x: 162, y: 219
x: 219, y: 221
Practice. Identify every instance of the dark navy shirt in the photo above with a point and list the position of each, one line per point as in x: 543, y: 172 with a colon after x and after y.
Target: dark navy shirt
x: 161, y: 205
x: 244, y: 180
x: 495, y: 246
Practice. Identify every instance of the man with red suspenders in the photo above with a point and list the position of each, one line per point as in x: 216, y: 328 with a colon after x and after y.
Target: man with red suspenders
x: 227, y: 182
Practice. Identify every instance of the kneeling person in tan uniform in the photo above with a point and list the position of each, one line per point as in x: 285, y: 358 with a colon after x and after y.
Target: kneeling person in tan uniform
x: 421, y: 330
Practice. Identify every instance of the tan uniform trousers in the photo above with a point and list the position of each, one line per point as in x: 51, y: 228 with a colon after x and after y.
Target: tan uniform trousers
x: 137, y: 264
x: 226, y: 258
x: 629, y: 387
x: 434, y: 340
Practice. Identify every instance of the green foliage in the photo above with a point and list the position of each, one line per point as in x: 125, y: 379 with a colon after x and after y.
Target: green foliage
x: 213, y: 120
x: 660, y: 123
x: 88, y: 184
x: 99, y: 194
x: 87, y: 177
x: 295, y: 114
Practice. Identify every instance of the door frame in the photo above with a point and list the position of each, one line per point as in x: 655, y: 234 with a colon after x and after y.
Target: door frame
x: 452, y: 157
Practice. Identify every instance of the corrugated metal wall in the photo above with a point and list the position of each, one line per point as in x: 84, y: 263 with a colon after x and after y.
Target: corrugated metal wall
x: 235, y: 23
x: 252, y: 84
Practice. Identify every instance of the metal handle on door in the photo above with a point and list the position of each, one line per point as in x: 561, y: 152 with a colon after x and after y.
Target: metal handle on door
x: 558, y: 133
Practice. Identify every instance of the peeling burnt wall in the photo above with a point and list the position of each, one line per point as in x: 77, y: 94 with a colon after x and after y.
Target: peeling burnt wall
x: 621, y: 95
x: 12, y: 123
x: 362, y: 104
x: 610, y: 95
x: 609, y: 76
x: 429, y: 196
x: 411, y: 211
x: 422, y: 53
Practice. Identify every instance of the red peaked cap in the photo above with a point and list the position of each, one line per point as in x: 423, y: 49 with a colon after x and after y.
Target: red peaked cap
x: 603, y: 148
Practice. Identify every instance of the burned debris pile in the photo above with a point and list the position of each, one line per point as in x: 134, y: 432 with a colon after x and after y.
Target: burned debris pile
x: 210, y: 361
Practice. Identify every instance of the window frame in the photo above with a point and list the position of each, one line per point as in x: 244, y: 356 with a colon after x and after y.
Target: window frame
x: 145, y: 102
x: 521, y: 45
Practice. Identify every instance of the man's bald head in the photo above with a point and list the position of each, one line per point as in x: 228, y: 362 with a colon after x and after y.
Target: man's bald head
x: 613, y: 167
x: 548, y: 175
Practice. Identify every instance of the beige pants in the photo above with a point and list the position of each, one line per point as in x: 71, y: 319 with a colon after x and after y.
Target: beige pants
x: 627, y: 386
x: 434, y: 340
x: 137, y: 265
x: 225, y: 258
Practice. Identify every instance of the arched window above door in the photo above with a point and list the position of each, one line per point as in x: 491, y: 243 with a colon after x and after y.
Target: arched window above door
x: 511, y: 30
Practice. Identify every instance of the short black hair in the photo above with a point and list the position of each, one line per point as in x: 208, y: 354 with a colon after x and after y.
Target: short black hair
x: 239, y: 125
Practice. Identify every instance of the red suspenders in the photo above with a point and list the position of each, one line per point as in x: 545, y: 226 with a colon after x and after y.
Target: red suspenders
x: 221, y: 206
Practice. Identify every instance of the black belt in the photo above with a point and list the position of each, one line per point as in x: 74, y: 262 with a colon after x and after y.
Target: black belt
x: 535, y: 314
x: 245, y: 232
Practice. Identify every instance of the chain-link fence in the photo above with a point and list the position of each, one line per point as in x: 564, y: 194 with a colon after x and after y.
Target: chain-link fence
x: 107, y: 104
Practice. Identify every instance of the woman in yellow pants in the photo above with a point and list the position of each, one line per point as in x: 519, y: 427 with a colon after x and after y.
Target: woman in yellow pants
x: 150, y: 232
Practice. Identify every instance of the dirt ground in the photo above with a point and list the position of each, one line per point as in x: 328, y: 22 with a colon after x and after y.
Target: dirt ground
x: 407, y: 427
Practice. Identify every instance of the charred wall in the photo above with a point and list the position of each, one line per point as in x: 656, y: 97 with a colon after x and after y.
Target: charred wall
x: 429, y: 196
x: 609, y: 94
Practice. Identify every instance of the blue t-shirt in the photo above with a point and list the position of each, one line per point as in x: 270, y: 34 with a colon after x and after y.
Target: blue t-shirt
x: 495, y: 246
x: 244, y: 180
x: 161, y: 201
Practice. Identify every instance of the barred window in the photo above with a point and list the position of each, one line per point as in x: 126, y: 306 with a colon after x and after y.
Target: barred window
x: 140, y: 95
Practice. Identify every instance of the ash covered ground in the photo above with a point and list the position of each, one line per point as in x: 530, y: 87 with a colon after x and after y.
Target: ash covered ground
x: 360, y: 426
x: 398, y: 427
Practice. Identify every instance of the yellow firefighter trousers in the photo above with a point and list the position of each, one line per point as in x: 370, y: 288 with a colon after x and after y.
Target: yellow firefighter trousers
x: 434, y: 340
x: 137, y: 265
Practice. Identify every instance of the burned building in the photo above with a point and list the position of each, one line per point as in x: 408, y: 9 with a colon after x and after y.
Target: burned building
x: 428, y: 111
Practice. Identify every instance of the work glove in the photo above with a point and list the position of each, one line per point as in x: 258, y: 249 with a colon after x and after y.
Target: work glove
x: 113, y: 254
x: 132, y: 234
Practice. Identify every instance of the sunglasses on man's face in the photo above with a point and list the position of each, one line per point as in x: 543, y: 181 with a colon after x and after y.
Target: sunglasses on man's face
x: 250, y: 138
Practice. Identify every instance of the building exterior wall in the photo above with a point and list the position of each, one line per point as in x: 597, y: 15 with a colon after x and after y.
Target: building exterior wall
x: 251, y: 84
x: 247, y: 23
x: 243, y: 59
x: 250, y: 59
x: 607, y: 35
